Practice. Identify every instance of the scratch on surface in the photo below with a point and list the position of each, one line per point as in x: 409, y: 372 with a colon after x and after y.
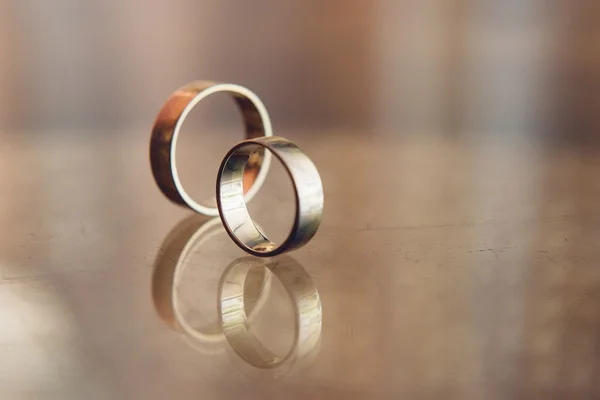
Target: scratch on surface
x: 82, y: 227
x: 492, y: 250
x: 42, y: 237
x: 546, y: 255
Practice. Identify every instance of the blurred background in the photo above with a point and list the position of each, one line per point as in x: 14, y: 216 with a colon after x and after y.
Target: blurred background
x: 460, y: 67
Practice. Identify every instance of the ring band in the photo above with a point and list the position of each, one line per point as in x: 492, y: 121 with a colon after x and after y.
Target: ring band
x: 165, y: 132
x: 232, y: 311
x: 308, y: 190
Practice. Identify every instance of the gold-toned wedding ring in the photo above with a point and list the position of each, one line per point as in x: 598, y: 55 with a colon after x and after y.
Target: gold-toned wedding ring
x: 163, y: 143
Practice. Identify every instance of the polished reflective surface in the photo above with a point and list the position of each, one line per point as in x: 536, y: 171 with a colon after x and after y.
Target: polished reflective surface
x: 243, y: 290
x: 445, y: 268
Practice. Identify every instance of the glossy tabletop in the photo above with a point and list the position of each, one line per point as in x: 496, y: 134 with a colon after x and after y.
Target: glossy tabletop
x: 446, y: 268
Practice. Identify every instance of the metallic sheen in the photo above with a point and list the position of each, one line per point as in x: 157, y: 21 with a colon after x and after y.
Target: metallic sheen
x: 305, y: 300
x: 163, y: 143
x: 308, y: 190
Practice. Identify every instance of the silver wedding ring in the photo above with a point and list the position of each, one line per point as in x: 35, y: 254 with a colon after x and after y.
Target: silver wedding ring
x: 163, y: 143
x: 308, y: 191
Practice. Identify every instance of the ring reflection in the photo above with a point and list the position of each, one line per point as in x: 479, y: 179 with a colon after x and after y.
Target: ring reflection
x: 244, y: 299
x: 234, y: 299
x: 187, y: 239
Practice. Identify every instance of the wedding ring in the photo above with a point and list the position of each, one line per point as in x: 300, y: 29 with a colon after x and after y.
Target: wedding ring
x: 163, y: 143
x: 308, y: 190
x: 305, y: 301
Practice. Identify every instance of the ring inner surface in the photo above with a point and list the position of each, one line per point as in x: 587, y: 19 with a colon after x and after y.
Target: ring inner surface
x: 233, y: 205
x: 254, y: 128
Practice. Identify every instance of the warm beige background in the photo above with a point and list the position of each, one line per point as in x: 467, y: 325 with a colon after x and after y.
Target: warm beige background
x: 460, y: 66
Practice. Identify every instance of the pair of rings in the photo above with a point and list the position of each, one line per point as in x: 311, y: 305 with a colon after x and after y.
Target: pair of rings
x: 242, y: 171
x: 243, y: 290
